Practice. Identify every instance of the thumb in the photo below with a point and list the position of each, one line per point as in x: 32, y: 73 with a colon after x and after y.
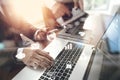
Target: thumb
x: 76, y: 5
x: 81, y: 5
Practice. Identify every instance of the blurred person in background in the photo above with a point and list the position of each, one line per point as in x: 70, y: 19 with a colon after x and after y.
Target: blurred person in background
x: 14, y: 56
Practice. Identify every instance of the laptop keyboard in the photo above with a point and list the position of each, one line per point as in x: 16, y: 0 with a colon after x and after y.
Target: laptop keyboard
x: 64, y: 63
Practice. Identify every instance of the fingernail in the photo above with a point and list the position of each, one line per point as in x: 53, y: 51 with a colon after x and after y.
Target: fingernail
x: 35, y: 67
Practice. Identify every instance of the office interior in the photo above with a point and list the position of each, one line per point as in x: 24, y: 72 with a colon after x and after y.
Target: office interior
x: 29, y: 12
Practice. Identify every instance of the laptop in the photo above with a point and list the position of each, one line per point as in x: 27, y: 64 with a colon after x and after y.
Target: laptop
x: 72, y: 62
x: 73, y: 27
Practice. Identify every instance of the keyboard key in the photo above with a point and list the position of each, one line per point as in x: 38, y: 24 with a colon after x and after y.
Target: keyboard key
x: 44, y: 74
x: 70, y: 26
x: 41, y: 77
x: 77, y: 23
x: 57, y: 70
x: 59, y: 74
x: 64, y: 74
x: 59, y: 67
x: 62, y: 78
x: 61, y: 71
x: 57, y: 78
x: 46, y: 79
x: 67, y: 70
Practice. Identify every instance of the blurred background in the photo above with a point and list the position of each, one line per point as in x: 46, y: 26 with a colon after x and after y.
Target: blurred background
x: 30, y: 10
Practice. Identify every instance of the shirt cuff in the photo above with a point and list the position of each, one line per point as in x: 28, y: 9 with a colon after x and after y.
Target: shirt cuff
x: 20, y: 55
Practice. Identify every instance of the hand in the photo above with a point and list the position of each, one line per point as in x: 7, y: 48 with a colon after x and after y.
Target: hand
x: 37, y: 58
x: 41, y: 35
x: 59, y: 10
x: 44, y: 34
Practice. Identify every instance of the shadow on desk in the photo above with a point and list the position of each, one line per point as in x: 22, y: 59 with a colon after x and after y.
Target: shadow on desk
x: 8, y: 67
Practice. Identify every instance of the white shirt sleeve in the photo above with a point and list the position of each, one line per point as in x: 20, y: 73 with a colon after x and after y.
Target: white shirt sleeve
x: 20, y: 55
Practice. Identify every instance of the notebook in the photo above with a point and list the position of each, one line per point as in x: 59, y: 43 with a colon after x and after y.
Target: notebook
x: 72, y: 61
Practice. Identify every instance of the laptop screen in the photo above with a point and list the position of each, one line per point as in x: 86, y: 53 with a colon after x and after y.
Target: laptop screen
x: 112, y: 36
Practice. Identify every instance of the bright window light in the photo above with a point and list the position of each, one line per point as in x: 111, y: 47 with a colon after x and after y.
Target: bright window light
x: 30, y: 10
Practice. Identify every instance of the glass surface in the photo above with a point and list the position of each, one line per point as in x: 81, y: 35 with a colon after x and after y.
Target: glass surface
x: 110, y: 63
x: 106, y: 63
x: 112, y: 36
x: 110, y: 69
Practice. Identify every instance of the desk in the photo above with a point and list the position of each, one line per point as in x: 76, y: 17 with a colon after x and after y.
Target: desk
x: 97, y: 24
x: 97, y: 29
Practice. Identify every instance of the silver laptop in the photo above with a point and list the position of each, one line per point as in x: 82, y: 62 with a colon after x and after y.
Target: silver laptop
x: 72, y: 60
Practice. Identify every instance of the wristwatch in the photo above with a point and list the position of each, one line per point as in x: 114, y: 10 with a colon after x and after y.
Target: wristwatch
x: 20, y: 55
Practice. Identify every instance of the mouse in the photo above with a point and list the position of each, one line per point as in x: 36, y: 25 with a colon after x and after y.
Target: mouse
x: 82, y: 34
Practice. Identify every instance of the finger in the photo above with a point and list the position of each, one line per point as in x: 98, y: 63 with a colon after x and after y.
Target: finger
x: 44, y: 65
x: 33, y: 63
x: 81, y: 5
x: 76, y: 4
x: 47, y: 61
x: 59, y: 14
x: 38, y: 37
x: 66, y: 11
x: 35, y: 67
x: 42, y: 33
x: 42, y: 36
x: 63, y: 11
x: 43, y: 59
x: 45, y: 54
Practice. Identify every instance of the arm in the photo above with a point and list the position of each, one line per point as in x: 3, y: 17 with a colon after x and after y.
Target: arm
x: 15, y: 22
x: 34, y: 57
x: 29, y: 56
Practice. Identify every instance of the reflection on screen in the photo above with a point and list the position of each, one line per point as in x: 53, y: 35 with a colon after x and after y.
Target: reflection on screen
x: 112, y: 36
